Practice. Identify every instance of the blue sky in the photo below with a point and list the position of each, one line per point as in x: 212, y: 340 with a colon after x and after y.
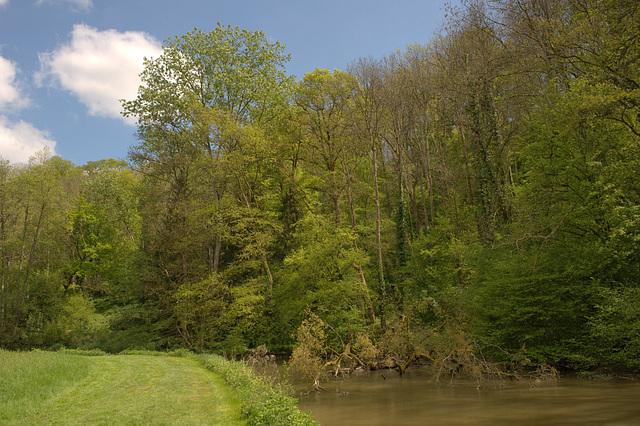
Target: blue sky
x: 65, y: 63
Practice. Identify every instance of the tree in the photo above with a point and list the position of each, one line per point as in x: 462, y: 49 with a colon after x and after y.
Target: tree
x: 199, y: 85
x: 231, y: 69
x: 320, y: 277
x: 482, y: 91
x: 208, y: 116
x: 368, y: 116
x: 213, y: 315
x: 32, y: 204
x: 576, y: 267
x: 325, y: 99
x: 105, y: 233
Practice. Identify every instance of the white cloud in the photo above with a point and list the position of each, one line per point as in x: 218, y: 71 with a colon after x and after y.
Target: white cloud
x: 100, y: 67
x: 77, y: 5
x: 4, y: 2
x: 19, y: 141
x: 10, y: 95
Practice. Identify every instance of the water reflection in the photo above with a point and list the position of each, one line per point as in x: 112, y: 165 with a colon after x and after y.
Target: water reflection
x: 416, y: 400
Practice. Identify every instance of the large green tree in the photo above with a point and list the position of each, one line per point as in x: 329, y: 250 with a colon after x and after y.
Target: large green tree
x: 208, y: 113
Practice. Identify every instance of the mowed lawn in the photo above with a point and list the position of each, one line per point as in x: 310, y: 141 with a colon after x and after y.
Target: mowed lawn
x: 54, y: 388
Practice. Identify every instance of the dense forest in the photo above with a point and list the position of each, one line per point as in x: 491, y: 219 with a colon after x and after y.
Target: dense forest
x: 473, y: 198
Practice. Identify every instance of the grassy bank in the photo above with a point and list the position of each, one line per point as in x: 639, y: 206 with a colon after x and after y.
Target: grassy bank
x: 262, y: 404
x: 61, y: 388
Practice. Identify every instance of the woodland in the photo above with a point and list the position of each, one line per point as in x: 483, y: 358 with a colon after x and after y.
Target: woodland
x: 467, y: 202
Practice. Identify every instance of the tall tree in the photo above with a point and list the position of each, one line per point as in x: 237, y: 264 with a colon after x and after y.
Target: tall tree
x: 325, y: 99
x: 482, y: 90
x: 201, y: 82
x: 368, y: 118
x: 208, y: 115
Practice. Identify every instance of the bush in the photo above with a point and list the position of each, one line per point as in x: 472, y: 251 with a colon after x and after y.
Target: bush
x: 78, y: 324
x: 615, y: 328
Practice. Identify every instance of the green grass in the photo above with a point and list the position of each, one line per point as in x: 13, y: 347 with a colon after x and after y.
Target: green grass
x: 54, y: 388
x: 28, y: 379
x: 71, y: 387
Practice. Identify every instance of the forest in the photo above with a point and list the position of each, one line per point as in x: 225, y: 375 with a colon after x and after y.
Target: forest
x: 467, y: 202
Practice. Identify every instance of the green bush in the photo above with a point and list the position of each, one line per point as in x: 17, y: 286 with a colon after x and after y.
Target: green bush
x: 615, y: 328
x: 78, y: 324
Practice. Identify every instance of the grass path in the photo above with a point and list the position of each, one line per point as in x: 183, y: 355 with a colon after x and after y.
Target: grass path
x: 137, y: 389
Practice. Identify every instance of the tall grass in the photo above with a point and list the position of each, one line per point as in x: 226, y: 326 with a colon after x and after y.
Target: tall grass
x: 262, y: 403
x: 27, y: 379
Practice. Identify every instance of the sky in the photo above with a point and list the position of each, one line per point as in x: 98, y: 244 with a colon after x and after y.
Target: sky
x: 65, y: 64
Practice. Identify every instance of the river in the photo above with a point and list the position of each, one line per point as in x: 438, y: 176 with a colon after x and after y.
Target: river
x: 385, y: 398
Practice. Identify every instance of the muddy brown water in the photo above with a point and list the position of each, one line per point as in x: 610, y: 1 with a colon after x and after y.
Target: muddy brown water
x: 415, y: 399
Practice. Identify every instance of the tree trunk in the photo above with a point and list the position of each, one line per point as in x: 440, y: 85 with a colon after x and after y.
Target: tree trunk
x: 365, y: 288
x: 32, y: 251
x: 216, y: 254
x: 466, y: 162
x: 383, y: 289
x: 265, y: 264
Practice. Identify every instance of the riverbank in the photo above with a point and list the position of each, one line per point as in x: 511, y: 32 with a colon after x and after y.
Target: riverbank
x: 146, y: 388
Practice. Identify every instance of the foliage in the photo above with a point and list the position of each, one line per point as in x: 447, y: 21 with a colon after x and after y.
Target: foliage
x: 311, y: 349
x: 78, y: 324
x: 33, y: 202
x: 320, y: 276
x: 615, y: 328
x: 217, y: 69
x: 132, y: 326
x: 210, y: 312
x: 105, y: 230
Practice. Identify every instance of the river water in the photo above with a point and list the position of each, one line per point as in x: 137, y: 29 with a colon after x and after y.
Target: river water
x: 385, y: 398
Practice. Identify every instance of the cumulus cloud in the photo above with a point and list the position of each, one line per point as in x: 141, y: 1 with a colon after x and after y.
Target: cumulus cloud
x: 100, y: 67
x: 10, y: 95
x: 78, y: 5
x: 4, y: 2
x: 18, y: 140
x: 21, y: 140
